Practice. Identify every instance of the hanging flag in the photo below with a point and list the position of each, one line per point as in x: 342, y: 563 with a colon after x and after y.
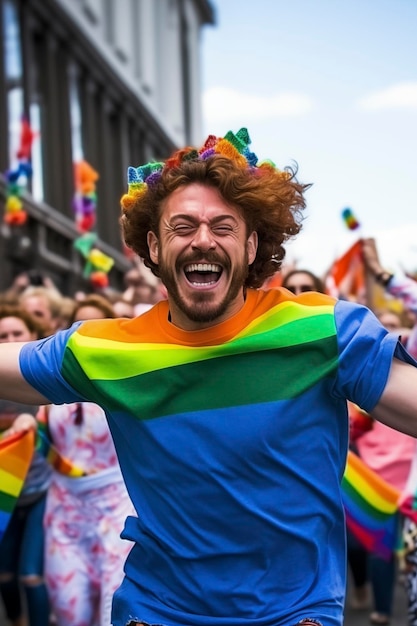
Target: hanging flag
x: 16, y: 452
x: 371, y: 507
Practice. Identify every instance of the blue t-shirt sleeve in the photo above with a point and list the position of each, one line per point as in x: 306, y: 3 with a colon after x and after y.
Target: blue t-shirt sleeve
x: 366, y: 350
x: 40, y: 364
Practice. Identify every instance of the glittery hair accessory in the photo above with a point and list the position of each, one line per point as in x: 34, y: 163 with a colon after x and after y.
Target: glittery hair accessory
x: 233, y: 146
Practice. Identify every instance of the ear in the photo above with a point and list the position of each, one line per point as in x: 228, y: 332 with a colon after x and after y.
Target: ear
x: 153, y: 247
x: 252, y: 247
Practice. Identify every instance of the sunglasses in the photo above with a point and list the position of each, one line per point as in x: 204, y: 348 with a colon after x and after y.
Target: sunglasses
x: 300, y: 288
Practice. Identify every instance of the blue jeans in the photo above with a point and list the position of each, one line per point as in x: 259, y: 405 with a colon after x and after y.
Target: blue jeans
x: 21, y: 549
x: 382, y: 574
x: 21, y: 556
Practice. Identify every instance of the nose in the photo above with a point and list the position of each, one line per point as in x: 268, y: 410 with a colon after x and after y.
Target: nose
x: 203, y: 238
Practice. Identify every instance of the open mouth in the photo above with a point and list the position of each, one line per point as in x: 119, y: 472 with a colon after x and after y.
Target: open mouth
x: 203, y: 274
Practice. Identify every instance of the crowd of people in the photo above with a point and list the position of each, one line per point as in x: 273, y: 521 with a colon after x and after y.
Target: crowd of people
x: 221, y: 400
x: 61, y: 557
x: 392, y: 455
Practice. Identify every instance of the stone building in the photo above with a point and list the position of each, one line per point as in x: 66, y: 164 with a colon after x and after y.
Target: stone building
x: 109, y: 82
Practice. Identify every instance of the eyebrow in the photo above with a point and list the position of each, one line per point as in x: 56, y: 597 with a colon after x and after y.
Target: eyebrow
x: 214, y: 220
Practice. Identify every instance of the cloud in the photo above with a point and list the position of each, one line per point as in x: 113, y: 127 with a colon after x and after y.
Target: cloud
x: 224, y: 104
x: 399, y: 96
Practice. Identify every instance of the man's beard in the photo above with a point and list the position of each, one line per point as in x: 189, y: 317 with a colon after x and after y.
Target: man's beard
x: 200, y: 309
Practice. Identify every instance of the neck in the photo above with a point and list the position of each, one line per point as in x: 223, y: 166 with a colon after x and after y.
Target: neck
x: 178, y: 317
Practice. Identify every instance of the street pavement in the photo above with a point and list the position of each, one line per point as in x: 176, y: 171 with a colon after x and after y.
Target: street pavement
x: 354, y: 617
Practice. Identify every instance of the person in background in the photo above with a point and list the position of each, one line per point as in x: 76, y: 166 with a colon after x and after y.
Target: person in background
x: 26, y: 279
x: 93, y: 306
x: 21, y: 549
x: 114, y: 304
x: 393, y: 322
x: 122, y: 308
x: 143, y: 289
x: 299, y: 281
x: 66, y: 311
x: 404, y: 288
x: 226, y: 402
x: 389, y: 453
x: 397, y: 285
x: 84, y: 555
x: 44, y: 304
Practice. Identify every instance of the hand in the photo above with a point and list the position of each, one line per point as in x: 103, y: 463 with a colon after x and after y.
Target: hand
x: 370, y: 256
x: 22, y: 423
x: 6, y: 420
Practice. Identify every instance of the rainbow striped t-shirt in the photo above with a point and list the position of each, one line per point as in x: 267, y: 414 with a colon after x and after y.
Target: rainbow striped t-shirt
x: 232, y: 441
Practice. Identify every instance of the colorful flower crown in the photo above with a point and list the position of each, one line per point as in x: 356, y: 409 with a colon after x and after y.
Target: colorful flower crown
x: 233, y: 146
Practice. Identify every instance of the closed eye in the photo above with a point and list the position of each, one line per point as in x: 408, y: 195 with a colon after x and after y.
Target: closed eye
x: 183, y: 229
x: 223, y: 229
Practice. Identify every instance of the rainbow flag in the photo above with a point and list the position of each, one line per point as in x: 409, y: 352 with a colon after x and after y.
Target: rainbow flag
x: 45, y: 447
x: 371, y: 507
x: 59, y: 462
x: 16, y: 454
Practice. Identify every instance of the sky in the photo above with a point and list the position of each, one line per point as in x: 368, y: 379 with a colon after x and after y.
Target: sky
x: 330, y: 85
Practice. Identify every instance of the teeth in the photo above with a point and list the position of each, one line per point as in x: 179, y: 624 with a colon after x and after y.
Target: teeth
x: 212, y: 282
x: 203, y: 267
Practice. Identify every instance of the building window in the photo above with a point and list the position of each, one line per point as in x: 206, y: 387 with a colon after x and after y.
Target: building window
x: 13, y: 76
x: 36, y: 156
x: 75, y: 114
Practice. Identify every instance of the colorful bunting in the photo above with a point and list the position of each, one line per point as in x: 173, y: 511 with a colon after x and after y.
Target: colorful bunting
x: 98, y: 264
x: 18, y: 178
x: 85, y: 198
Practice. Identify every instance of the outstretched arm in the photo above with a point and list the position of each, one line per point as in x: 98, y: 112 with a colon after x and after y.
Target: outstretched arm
x: 397, y: 406
x: 12, y: 384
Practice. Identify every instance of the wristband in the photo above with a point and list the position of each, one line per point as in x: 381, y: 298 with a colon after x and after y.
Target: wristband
x: 383, y: 278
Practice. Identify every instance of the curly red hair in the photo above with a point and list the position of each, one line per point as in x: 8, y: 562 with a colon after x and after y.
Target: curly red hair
x: 270, y: 201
